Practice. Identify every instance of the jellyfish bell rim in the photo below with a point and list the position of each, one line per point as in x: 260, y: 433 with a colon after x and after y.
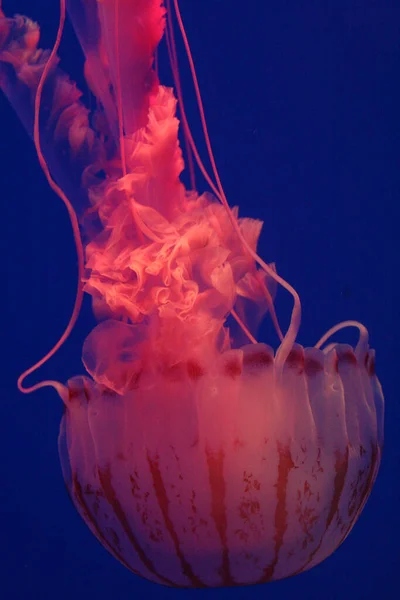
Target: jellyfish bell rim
x: 198, y: 362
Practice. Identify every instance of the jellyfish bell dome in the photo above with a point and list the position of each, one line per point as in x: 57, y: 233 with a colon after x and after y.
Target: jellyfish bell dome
x: 224, y: 472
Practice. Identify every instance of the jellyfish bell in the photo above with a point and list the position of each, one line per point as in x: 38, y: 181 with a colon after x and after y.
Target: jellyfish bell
x: 195, y: 454
x: 220, y: 472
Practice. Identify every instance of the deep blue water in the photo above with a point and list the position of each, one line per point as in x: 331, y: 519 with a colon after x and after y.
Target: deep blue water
x: 302, y: 101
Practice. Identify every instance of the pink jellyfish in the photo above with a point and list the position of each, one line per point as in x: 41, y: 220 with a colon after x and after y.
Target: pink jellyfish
x: 196, y: 455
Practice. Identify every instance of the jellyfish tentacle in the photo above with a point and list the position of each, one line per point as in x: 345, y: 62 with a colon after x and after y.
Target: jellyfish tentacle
x: 119, y: 93
x: 191, y: 145
x: 173, y: 59
x: 69, y: 143
x: 121, y: 134
x: 243, y: 326
x: 62, y: 390
x: 362, y: 345
x: 291, y: 333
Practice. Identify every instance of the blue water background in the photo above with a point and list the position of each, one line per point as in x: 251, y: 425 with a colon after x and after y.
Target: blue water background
x: 302, y: 102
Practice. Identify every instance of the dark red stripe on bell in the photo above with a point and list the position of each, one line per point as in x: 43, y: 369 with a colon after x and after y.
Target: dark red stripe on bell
x: 346, y: 356
x: 163, y: 502
x: 233, y: 368
x: 111, y: 496
x: 257, y: 360
x: 371, y: 365
x: 341, y: 468
x: 295, y: 360
x: 312, y: 366
x: 194, y: 370
x: 90, y: 518
x: 365, y: 491
x: 285, y: 465
x: 76, y: 390
x: 215, y: 463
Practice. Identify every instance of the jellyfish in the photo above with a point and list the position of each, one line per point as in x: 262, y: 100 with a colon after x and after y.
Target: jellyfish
x: 197, y: 455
